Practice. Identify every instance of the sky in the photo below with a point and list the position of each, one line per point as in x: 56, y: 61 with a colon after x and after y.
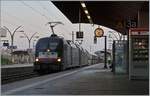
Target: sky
x: 33, y: 16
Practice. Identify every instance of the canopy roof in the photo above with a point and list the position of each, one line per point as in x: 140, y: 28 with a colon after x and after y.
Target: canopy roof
x: 105, y: 13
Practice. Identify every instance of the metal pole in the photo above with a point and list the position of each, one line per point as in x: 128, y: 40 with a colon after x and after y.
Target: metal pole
x: 12, y: 35
x: 12, y: 40
x: 79, y: 20
x: 72, y: 36
x: 105, y: 63
x: 29, y: 43
x: 52, y: 29
x: 29, y: 39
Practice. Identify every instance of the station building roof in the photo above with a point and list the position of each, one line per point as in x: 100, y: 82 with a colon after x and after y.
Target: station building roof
x: 106, y: 13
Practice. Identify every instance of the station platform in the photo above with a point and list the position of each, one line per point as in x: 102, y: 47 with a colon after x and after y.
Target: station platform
x: 90, y: 80
x: 17, y: 65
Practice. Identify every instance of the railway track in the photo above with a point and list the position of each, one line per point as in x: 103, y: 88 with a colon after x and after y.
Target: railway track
x: 13, y: 74
x: 16, y: 77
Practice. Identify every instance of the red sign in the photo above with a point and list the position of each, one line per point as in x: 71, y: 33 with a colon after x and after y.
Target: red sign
x: 139, y: 31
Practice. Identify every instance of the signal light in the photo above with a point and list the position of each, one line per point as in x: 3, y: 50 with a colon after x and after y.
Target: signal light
x: 79, y: 34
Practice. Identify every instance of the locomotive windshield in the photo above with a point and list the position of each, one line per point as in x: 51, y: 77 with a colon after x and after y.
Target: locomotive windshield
x: 42, y: 44
x: 52, y: 44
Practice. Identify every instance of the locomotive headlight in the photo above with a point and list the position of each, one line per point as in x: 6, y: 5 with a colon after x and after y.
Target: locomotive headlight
x: 59, y: 59
x: 36, y: 59
x: 48, y: 50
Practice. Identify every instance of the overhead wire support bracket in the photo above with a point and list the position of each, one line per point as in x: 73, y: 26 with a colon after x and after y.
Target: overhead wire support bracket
x: 53, y: 24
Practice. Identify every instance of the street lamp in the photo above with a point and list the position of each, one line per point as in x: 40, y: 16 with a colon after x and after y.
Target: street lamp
x: 29, y: 38
x: 12, y: 36
x: 34, y: 43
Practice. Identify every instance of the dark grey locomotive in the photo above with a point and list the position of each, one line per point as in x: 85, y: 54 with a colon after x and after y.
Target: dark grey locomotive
x: 56, y: 53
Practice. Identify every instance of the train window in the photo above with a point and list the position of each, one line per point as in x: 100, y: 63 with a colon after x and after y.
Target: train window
x: 42, y: 44
x: 53, y: 45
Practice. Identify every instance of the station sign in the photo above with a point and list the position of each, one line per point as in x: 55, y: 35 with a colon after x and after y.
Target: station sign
x: 79, y: 34
x: 99, y: 32
x: 131, y: 23
x: 139, y: 31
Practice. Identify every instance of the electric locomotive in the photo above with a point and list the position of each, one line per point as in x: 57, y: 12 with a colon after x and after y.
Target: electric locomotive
x: 54, y: 53
x: 49, y: 54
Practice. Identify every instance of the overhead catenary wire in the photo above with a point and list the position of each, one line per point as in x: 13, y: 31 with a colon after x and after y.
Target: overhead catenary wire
x: 21, y: 20
x: 8, y: 22
x: 30, y: 25
x: 41, y: 14
x: 52, y: 17
x: 35, y: 10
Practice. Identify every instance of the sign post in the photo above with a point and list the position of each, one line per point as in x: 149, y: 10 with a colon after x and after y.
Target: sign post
x: 99, y: 33
x: 79, y: 36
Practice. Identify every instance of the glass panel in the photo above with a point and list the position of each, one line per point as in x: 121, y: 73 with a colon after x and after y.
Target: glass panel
x: 120, y: 57
x: 53, y: 45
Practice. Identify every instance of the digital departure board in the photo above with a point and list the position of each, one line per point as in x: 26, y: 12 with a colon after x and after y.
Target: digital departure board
x: 138, y: 53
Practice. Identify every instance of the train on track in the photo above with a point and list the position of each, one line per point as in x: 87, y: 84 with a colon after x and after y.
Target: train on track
x: 57, y: 54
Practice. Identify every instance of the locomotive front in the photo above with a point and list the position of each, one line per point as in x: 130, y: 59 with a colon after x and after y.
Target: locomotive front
x: 49, y: 54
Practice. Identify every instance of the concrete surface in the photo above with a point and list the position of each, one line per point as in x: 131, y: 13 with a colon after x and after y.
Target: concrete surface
x: 91, y: 80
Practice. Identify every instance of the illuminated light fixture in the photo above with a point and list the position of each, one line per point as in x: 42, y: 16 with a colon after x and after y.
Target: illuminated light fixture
x: 140, y: 43
x: 86, y: 11
x: 59, y: 59
x: 83, y: 5
x: 88, y: 17
x: 36, y: 59
x: 48, y: 50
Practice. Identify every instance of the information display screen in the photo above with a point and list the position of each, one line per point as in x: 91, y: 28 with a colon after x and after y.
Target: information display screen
x: 140, y: 49
x: 139, y: 53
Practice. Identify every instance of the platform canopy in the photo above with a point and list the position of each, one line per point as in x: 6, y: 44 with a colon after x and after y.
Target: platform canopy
x: 111, y: 14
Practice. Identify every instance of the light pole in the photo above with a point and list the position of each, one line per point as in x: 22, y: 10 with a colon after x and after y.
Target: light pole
x: 29, y: 38
x: 12, y: 36
x: 105, y: 65
x: 29, y: 41
x: 34, y: 44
